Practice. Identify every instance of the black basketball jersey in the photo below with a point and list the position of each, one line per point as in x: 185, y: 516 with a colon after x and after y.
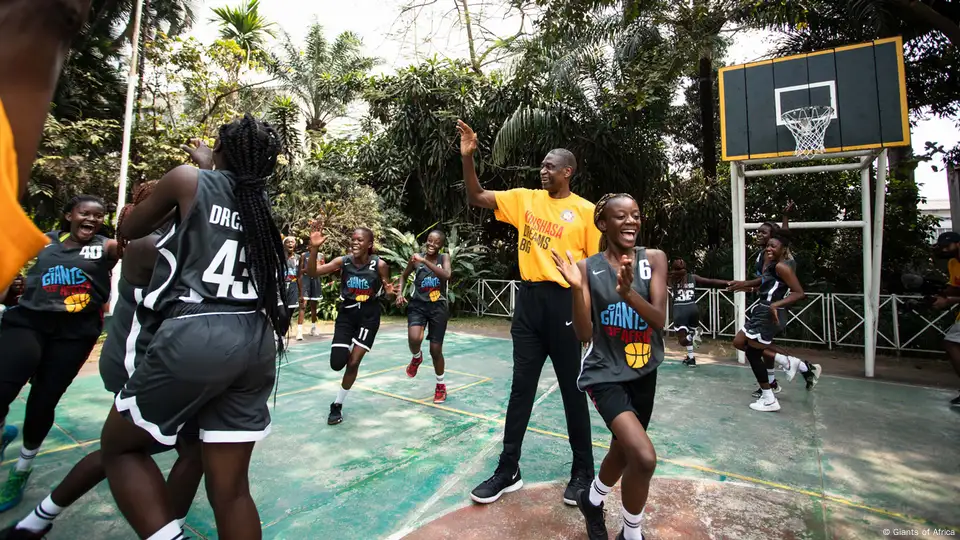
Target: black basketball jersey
x: 624, y: 346
x: 761, y: 260
x: 360, y: 283
x: 772, y: 288
x: 427, y: 287
x: 69, y: 279
x: 684, y: 293
x: 202, y: 259
x: 293, y: 267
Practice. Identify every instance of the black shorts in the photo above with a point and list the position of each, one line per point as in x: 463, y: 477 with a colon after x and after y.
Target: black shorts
x: 759, y: 325
x: 310, y: 288
x: 613, y: 399
x: 433, y: 315
x: 56, y: 324
x: 216, y: 367
x: 357, y: 324
x: 292, y: 295
x: 686, y: 318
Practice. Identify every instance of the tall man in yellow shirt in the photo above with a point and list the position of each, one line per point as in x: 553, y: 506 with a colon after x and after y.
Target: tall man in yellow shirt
x: 948, y: 247
x: 548, y: 218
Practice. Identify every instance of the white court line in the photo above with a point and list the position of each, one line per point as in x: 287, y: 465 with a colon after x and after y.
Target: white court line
x: 471, y: 466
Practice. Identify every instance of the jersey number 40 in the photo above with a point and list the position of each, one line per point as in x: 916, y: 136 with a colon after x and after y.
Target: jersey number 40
x: 227, y: 282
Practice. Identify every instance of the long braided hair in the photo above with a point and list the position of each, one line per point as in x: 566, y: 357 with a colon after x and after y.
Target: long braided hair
x: 601, y: 207
x: 251, y: 148
x: 140, y: 194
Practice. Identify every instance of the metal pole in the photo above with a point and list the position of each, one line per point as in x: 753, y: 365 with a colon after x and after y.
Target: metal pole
x: 878, y: 213
x: 953, y: 189
x: 739, y: 249
x: 127, y: 129
x: 869, y: 334
x: 815, y: 225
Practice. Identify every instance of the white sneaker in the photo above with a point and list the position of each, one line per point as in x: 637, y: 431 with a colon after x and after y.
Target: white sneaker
x: 794, y: 366
x: 314, y: 331
x: 299, y: 335
x: 759, y: 405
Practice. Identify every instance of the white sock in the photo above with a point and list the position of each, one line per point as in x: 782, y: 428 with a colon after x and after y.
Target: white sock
x: 689, y: 351
x: 631, y: 525
x: 768, y: 396
x: 598, y: 491
x: 314, y: 329
x: 341, y: 395
x: 42, y: 516
x: 803, y: 367
x: 299, y: 328
x: 170, y: 531
x: 782, y: 361
x: 25, y: 463
x: 419, y: 354
x: 771, y: 376
x: 439, y: 379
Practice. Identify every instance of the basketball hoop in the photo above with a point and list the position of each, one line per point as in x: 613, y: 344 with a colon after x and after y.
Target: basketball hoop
x: 808, y: 125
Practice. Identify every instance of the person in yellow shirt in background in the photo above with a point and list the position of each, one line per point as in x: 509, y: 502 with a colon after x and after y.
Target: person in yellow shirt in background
x: 948, y: 247
x: 548, y: 218
x: 35, y: 36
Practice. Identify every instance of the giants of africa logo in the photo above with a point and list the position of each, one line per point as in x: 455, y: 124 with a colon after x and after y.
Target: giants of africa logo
x: 567, y: 216
x: 71, y: 283
x: 620, y: 321
x: 360, y: 288
x: 430, y: 286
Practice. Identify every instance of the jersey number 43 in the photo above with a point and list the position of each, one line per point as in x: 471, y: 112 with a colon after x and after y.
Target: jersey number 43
x: 227, y: 282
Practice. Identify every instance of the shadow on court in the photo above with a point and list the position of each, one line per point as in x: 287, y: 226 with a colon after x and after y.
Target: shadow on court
x: 848, y: 460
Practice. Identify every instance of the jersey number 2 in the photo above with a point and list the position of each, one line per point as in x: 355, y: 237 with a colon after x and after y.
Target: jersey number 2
x: 229, y: 285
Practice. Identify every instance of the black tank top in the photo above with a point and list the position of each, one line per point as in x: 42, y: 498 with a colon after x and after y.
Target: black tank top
x: 772, y: 288
x: 624, y: 346
x: 427, y: 287
x: 685, y: 294
x: 69, y: 279
x: 202, y: 259
x: 293, y: 267
x: 359, y: 283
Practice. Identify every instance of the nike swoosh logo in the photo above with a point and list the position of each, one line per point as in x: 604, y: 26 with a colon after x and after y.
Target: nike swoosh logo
x: 569, y: 323
x: 598, y: 272
x: 515, y: 475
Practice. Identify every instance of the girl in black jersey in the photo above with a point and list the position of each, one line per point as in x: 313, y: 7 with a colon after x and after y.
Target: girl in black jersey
x: 428, y: 307
x: 292, y: 285
x: 686, y: 314
x: 311, y: 293
x: 363, y: 279
x: 49, y: 335
x: 755, y: 339
x: 619, y: 310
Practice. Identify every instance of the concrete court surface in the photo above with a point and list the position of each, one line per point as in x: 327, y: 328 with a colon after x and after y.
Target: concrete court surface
x: 848, y: 460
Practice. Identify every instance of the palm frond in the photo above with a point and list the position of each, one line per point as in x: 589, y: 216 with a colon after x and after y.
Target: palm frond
x: 524, y: 125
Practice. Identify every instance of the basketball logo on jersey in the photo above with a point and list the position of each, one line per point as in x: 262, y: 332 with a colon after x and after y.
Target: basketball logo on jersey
x: 621, y: 321
x: 430, y: 286
x: 70, y: 283
x: 359, y: 288
x: 567, y: 216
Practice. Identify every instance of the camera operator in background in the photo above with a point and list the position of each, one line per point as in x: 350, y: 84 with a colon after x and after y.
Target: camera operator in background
x: 948, y: 247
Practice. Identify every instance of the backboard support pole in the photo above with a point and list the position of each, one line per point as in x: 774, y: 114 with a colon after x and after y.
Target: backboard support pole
x: 737, y: 192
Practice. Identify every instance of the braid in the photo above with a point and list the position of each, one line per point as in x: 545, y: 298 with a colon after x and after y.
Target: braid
x: 140, y: 194
x: 601, y: 206
x: 251, y: 148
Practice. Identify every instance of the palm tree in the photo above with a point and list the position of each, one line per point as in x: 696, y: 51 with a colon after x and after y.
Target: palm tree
x: 245, y: 25
x: 325, y: 77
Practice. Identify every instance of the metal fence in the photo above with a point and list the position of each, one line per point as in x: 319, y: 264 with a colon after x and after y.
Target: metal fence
x: 823, y: 319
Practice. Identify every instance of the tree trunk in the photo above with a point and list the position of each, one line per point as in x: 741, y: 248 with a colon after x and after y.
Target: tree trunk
x: 474, y: 61
x: 146, y: 35
x: 708, y: 144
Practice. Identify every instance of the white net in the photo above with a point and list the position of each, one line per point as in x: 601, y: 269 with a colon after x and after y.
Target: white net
x: 808, y: 125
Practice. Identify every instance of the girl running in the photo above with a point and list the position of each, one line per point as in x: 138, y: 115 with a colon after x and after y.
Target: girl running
x: 363, y: 278
x: 619, y: 310
x: 48, y: 336
x: 766, y: 321
x: 218, y: 285
x: 131, y: 328
x: 686, y: 314
x: 428, y: 307
x: 310, y: 296
x: 292, y: 283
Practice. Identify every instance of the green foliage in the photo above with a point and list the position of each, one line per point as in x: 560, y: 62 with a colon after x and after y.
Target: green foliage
x: 245, y: 26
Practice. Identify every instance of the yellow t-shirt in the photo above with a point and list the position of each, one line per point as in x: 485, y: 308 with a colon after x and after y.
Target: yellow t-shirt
x: 954, y: 267
x: 20, y: 239
x: 545, y: 223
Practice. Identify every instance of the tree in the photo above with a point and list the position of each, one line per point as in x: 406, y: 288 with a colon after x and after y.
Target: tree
x: 325, y: 77
x: 245, y: 25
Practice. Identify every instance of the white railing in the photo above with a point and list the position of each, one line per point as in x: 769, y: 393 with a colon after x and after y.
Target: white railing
x: 824, y: 319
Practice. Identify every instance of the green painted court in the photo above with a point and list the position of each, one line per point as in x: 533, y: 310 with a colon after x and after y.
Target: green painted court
x: 848, y: 460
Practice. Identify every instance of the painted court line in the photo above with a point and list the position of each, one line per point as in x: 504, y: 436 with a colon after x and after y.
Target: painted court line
x: 458, y: 388
x: 63, y: 448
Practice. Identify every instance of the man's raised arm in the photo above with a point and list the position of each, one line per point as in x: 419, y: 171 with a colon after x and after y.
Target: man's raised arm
x: 476, y: 195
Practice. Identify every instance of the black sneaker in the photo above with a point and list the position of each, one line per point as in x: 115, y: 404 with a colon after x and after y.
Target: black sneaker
x: 773, y: 386
x: 502, y: 481
x: 596, y: 525
x: 336, y: 414
x: 955, y: 402
x: 12, y: 533
x: 812, y: 374
x: 690, y: 362
x: 578, y: 480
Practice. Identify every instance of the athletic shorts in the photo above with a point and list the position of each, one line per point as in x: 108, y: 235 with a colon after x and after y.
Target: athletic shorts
x: 686, y: 317
x: 292, y: 295
x: 760, y: 326
x: 310, y: 288
x: 356, y: 324
x: 614, y: 399
x: 217, y: 367
x: 433, y: 315
x: 953, y: 333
